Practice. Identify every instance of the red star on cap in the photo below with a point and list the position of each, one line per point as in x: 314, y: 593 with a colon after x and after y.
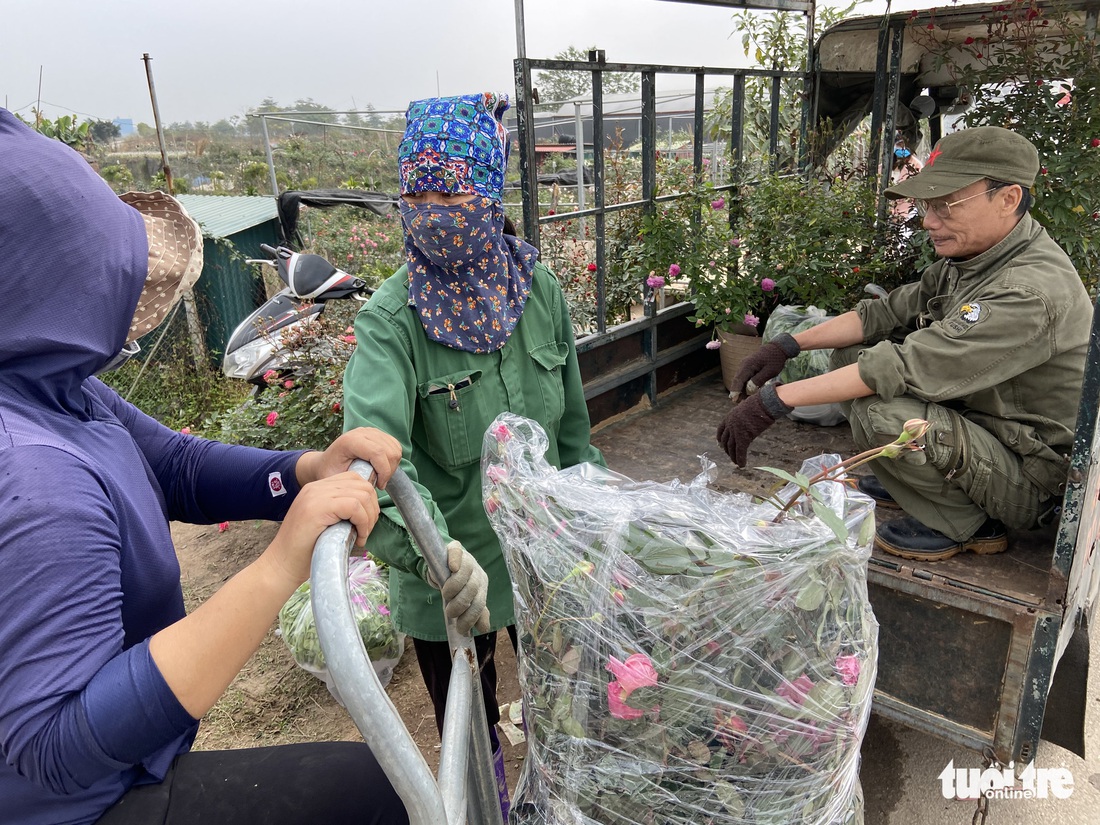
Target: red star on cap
x: 932, y: 157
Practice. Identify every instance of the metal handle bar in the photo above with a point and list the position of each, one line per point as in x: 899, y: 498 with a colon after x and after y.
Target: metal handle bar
x: 465, y: 724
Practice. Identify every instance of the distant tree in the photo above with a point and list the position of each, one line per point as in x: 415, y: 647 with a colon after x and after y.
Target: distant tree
x: 556, y: 87
x: 146, y: 131
x: 371, y: 118
x: 254, y: 175
x: 224, y: 128
x: 104, y: 131
x: 119, y: 176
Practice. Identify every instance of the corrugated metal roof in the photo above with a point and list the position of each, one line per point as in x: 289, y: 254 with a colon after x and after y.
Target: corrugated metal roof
x: 223, y: 215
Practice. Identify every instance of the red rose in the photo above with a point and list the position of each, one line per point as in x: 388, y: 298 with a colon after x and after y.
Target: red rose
x: 1095, y: 142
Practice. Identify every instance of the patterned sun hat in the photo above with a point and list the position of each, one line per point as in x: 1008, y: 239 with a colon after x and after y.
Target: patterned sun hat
x: 455, y: 144
x: 175, y: 257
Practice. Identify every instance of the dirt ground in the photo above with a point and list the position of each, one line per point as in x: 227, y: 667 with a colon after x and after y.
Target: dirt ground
x: 273, y: 701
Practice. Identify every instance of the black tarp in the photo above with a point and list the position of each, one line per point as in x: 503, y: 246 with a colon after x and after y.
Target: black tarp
x: 567, y: 177
x: 289, y: 203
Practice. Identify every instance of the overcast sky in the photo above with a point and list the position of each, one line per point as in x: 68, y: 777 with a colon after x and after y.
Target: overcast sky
x: 213, y: 59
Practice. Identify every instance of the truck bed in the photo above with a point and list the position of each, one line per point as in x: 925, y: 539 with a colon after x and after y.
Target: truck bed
x: 956, y: 636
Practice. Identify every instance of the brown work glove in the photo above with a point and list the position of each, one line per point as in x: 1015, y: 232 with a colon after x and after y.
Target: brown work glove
x: 764, y: 364
x: 749, y: 419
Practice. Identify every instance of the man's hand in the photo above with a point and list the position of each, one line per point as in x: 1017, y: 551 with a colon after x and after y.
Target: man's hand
x: 748, y: 420
x: 764, y: 364
x: 465, y: 590
x: 383, y: 451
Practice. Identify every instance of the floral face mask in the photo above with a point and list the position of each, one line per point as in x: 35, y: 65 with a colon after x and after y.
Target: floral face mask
x: 469, y: 283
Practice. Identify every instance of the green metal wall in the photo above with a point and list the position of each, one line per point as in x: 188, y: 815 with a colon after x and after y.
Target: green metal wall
x: 229, y: 289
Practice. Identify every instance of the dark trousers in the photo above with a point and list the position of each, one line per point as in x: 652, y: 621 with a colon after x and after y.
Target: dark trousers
x: 434, y: 659
x: 337, y: 783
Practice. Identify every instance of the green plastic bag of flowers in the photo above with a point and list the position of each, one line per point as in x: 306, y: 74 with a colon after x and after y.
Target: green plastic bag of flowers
x: 368, y: 586
x: 685, y: 658
x: 793, y: 320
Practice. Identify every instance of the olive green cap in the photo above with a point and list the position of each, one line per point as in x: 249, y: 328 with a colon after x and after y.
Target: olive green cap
x: 967, y: 156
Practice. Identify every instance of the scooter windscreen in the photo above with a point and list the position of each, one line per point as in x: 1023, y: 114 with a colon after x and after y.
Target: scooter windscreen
x: 254, y: 347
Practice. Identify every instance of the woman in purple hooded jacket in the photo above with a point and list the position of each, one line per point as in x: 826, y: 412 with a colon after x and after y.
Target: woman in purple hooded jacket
x: 103, y: 676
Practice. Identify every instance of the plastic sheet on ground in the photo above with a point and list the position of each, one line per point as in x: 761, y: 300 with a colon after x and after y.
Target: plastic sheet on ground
x: 684, y: 658
x: 368, y: 587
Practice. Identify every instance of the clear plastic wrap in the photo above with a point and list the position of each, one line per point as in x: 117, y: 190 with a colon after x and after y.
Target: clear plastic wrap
x: 795, y: 319
x: 684, y: 658
x: 368, y: 585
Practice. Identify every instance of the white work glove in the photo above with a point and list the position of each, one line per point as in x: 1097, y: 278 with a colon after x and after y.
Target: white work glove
x: 465, y: 590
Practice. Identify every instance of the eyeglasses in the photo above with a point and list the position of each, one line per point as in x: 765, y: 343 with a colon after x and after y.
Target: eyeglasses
x: 942, y: 209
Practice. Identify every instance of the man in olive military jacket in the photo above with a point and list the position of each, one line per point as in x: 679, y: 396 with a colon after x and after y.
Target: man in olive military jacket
x: 988, y: 345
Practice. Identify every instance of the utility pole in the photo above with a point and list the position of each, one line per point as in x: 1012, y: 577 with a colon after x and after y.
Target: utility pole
x: 194, y: 326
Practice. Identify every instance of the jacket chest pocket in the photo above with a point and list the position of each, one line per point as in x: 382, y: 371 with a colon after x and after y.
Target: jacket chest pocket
x: 933, y: 311
x: 549, y: 360
x: 454, y: 416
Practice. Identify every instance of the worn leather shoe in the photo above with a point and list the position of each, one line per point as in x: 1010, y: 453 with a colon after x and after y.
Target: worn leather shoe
x: 870, y: 485
x: 908, y: 538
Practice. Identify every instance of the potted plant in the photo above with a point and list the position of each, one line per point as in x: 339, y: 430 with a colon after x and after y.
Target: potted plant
x: 688, y: 245
x: 816, y: 240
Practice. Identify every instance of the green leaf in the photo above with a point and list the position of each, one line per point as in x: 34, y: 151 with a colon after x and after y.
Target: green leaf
x: 832, y: 520
x: 811, y: 596
x: 799, y: 479
x: 571, y: 661
x: 867, y: 530
x: 731, y: 800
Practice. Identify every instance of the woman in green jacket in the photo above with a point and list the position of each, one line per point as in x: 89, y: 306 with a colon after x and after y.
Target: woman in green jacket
x: 471, y: 326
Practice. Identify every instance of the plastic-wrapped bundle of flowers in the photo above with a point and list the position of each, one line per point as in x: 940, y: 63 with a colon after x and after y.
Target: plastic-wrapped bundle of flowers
x: 684, y: 656
x: 368, y: 586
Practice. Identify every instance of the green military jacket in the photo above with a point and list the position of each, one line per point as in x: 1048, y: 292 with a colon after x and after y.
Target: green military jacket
x: 1001, y: 338
x: 399, y: 381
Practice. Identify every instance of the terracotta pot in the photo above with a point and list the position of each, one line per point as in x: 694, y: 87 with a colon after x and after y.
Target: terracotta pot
x: 736, y: 347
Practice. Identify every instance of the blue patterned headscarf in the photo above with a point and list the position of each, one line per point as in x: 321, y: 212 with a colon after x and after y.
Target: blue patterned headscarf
x: 468, y: 280
x: 455, y: 144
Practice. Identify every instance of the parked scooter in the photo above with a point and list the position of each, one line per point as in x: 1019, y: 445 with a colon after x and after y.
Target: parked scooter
x: 255, y: 347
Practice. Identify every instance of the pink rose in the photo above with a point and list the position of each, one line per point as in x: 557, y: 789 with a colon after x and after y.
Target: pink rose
x: 223, y: 526
x: 655, y: 281
x: 496, y: 473
x: 848, y: 668
x: 636, y: 672
x: 796, y: 692
x: 751, y: 320
x: 185, y: 431
x: 674, y: 270
x: 270, y: 375
x: 272, y: 417
x: 714, y: 344
x: 620, y: 578
x: 767, y: 284
x: 717, y: 203
x: 729, y: 728
x: 620, y: 709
